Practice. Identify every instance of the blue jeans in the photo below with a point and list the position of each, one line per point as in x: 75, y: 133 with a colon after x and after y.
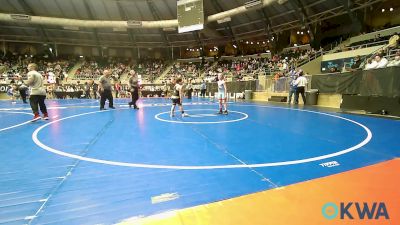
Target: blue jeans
x: 291, y: 92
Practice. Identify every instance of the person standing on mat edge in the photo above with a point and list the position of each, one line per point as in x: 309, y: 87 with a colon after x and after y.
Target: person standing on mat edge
x: 38, y: 92
x: 105, y: 90
x: 203, y: 89
x: 22, y: 88
x: 222, y: 96
x: 189, y: 88
x: 300, y: 84
x: 133, y: 89
x: 177, y: 96
x: 292, y: 90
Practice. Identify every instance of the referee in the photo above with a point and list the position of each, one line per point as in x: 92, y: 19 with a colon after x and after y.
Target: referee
x: 105, y: 90
x: 133, y: 89
x: 301, y: 83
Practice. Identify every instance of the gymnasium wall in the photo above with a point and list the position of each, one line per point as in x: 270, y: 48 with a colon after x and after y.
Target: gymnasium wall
x: 378, y: 82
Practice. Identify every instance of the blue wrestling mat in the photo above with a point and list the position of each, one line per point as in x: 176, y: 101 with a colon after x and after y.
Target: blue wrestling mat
x: 86, y: 166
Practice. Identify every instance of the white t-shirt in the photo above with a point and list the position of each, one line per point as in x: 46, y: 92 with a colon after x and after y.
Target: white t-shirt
x: 382, y: 63
x: 394, y: 63
x: 301, y: 82
x: 35, y: 82
x: 51, y: 78
x: 371, y: 65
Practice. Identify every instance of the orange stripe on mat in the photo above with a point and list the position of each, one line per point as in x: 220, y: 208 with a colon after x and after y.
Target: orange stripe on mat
x: 299, y: 203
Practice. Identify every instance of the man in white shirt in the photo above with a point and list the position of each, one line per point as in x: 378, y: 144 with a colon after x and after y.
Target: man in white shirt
x: 371, y: 64
x: 381, y: 61
x: 38, y: 92
x: 300, y: 83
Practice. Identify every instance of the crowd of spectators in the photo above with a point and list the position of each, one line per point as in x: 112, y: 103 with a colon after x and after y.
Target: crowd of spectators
x: 380, y: 61
x: 181, y: 68
x: 54, y: 70
x: 190, y: 72
x: 149, y: 69
x: 13, y: 68
x: 247, y: 68
x: 93, y: 68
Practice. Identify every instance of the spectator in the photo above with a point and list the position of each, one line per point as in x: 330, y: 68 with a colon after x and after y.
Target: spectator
x: 371, y: 64
x: 203, y: 89
x: 333, y: 69
x: 189, y: 89
x: 381, y: 61
x: 87, y: 90
x: 11, y: 91
x: 356, y: 64
x: 22, y: 88
x: 292, y: 90
x: 395, y: 61
x: 117, y: 88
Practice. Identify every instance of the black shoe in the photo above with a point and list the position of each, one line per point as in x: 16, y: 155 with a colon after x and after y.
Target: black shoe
x: 112, y: 107
x: 103, y: 109
x: 226, y: 112
x: 135, y: 107
x: 220, y: 111
x: 130, y: 105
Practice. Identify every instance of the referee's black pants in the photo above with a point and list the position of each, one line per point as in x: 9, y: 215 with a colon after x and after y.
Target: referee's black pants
x: 104, y: 95
x: 299, y: 90
x: 190, y: 93
x: 23, y: 95
x: 135, y: 97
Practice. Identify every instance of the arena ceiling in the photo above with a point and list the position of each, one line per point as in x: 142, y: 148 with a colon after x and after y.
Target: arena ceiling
x: 264, y: 22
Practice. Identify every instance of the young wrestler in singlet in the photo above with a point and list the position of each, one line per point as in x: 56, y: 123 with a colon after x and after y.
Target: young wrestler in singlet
x: 222, y: 94
x: 177, y: 97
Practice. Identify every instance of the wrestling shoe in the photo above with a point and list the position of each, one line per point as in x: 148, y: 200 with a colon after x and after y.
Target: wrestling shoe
x: 45, y: 116
x: 36, y: 117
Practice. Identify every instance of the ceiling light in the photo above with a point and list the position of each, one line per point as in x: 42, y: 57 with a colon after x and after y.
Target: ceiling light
x: 383, y: 10
x: 391, y: 9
